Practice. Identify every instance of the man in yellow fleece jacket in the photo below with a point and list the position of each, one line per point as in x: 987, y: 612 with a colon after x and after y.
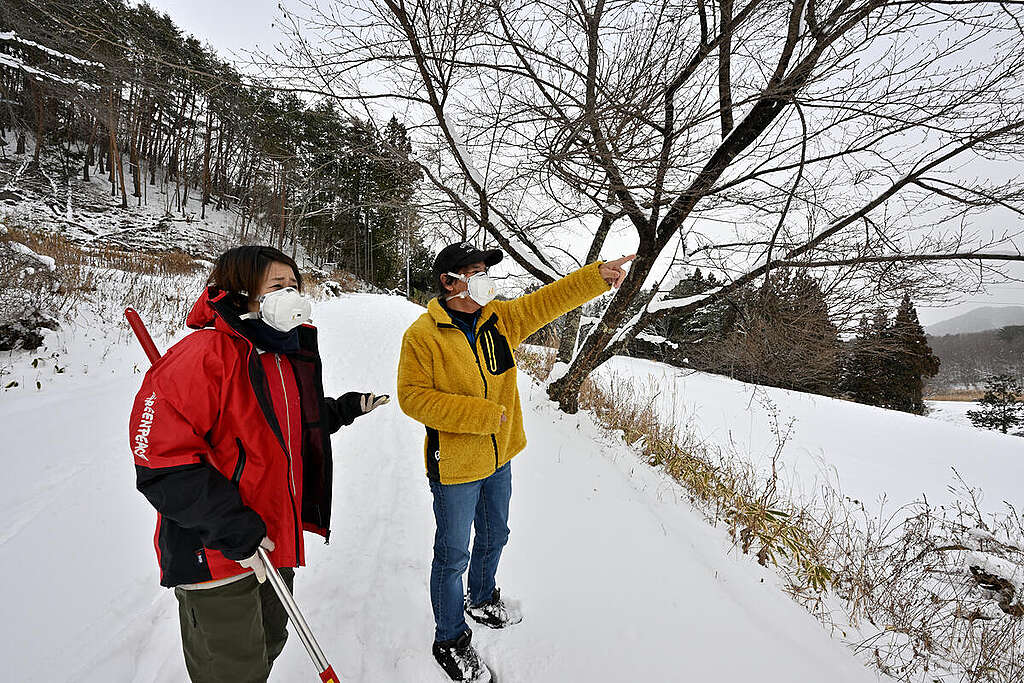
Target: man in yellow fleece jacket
x: 457, y: 375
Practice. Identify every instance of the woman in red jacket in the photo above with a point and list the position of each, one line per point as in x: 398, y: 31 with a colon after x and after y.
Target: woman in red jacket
x: 231, y: 437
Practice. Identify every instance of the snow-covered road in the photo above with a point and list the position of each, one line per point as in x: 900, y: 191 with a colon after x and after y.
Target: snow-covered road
x: 620, y: 579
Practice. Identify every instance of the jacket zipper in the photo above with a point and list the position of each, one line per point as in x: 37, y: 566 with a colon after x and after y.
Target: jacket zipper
x: 240, y: 465
x: 288, y: 454
x: 476, y: 337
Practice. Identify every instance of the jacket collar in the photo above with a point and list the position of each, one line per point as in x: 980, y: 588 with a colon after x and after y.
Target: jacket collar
x: 213, y: 309
x: 442, y: 318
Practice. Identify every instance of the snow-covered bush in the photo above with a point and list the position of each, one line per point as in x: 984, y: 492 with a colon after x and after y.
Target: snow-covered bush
x: 28, y: 295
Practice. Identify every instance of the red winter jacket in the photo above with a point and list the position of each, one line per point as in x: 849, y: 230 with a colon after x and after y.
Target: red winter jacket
x: 210, y: 448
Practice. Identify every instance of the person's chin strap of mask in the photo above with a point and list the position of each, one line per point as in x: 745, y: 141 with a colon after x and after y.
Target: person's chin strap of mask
x: 480, y: 288
x: 283, y: 309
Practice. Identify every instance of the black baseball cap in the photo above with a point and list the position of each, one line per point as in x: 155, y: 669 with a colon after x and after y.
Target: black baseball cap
x: 460, y: 254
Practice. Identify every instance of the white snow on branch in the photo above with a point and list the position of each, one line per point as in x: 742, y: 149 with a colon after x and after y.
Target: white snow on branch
x: 663, y: 304
x: 523, y: 250
x: 46, y: 261
x: 658, y: 303
x: 558, y: 371
x: 467, y: 160
x: 656, y: 339
x: 1002, y: 568
x: 15, y: 38
x: 14, y: 62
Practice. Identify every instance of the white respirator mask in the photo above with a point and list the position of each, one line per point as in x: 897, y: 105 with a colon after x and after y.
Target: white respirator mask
x: 481, y: 288
x: 283, y: 309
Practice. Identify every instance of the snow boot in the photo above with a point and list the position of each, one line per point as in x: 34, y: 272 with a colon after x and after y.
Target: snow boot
x: 495, y: 613
x: 460, y: 660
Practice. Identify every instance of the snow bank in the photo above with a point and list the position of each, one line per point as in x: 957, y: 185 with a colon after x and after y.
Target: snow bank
x: 871, y: 454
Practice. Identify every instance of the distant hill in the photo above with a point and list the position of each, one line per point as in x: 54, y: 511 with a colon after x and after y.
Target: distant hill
x: 979, y: 320
x: 968, y: 359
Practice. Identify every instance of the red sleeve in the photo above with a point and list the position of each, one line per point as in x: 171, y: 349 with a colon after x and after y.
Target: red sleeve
x: 179, y: 402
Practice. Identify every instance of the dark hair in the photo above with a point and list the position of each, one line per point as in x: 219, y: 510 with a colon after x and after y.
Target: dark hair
x: 240, y: 271
x: 440, y: 287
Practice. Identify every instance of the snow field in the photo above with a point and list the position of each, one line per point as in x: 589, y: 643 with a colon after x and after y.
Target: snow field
x: 870, y: 454
x: 620, y: 579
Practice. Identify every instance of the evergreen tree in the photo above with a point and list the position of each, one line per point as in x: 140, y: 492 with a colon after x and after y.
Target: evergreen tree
x: 857, y: 367
x: 1002, y: 406
x: 910, y: 360
x: 886, y: 363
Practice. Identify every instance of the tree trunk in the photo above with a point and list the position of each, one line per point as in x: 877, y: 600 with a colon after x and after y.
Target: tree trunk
x: 570, y: 334
x: 206, y: 158
x: 90, y: 152
x: 565, y: 391
x: 154, y: 147
x: 284, y: 193
x: 134, y: 122
x: 40, y: 115
x: 115, y: 153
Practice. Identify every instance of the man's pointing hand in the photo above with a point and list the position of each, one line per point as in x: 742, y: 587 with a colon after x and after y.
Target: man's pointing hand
x: 612, y: 271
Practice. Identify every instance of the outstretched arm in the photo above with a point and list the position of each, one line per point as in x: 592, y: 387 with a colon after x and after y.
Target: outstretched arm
x: 525, y: 315
x: 342, y: 411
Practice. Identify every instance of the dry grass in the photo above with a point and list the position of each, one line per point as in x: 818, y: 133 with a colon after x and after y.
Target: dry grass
x: 898, y: 586
x: 957, y: 395
x: 70, y: 254
x: 335, y: 283
x: 161, y: 286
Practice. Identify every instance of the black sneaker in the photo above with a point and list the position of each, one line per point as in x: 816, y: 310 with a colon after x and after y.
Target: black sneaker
x: 495, y: 613
x: 460, y: 661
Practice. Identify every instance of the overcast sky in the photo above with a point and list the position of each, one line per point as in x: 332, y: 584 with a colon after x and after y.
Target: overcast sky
x: 233, y: 26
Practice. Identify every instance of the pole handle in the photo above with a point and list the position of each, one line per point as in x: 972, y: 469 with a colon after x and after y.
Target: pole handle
x: 142, y: 334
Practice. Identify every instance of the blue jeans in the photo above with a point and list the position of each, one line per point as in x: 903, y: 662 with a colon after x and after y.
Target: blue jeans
x: 457, y: 507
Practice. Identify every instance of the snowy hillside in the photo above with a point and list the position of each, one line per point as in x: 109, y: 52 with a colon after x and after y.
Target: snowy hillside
x: 867, y: 452
x: 979, y: 320
x: 620, y: 579
x: 87, y: 213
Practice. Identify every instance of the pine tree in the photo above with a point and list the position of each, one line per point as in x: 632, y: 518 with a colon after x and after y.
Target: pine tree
x: 856, y: 365
x: 911, y: 360
x: 1002, y: 406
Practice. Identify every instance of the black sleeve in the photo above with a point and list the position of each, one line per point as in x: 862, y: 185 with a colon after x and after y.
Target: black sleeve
x: 201, y: 498
x: 343, y: 410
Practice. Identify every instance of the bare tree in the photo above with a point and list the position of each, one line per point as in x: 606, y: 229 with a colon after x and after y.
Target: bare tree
x: 844, y: 136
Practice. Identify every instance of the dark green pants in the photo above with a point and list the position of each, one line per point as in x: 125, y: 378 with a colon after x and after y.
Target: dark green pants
x: 232, y: 633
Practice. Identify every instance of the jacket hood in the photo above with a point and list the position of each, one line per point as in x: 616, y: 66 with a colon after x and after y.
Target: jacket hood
x: 203, y: 313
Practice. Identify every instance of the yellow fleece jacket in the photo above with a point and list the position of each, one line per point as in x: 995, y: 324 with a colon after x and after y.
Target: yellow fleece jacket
x: 459, y: 391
